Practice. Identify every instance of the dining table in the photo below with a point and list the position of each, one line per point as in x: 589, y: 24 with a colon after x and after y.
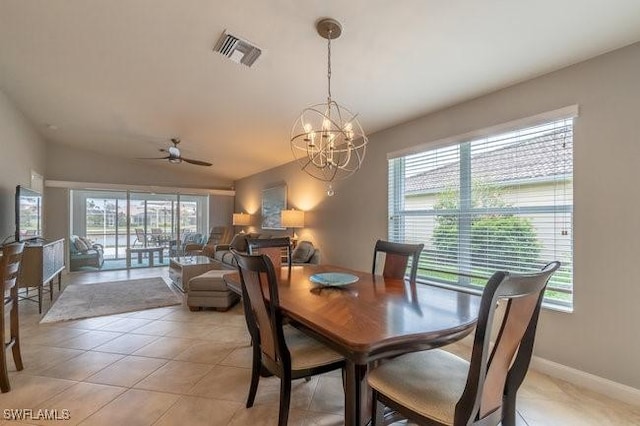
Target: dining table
x: 368, y: 318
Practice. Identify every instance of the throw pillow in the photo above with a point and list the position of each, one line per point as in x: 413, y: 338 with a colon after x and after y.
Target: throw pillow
x: 88, y: 242
x: 303, y: 252
x: 239, y: 242
x: 81, y: 246
x: 208, y: 250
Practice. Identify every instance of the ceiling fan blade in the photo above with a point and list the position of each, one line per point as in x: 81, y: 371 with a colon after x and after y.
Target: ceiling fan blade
x: 152, y: 158
x: 197, y: 162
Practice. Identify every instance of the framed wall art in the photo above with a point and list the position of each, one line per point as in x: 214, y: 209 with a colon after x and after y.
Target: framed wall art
x: 274, y: 200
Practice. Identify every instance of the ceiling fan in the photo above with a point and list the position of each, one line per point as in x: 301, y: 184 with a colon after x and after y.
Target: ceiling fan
x: 174, y: 156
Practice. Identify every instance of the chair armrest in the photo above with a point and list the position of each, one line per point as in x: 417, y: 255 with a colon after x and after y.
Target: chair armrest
x: 222, y: 247
x: 192, y: 247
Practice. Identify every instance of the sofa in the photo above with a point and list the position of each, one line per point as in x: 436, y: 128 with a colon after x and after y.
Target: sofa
x: 85, y: 253
x: 209, y: 290
x: 304, y: 253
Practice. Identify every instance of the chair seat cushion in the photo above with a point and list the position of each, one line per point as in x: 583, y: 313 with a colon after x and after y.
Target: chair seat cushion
x: 307, y: 352
x: 429, y: 383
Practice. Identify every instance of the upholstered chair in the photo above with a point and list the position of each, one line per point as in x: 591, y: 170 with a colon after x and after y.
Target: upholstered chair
x: 435, y: 387
x: 281, y: 349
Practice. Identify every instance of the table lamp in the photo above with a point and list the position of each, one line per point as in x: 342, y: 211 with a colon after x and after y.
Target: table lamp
x: 292, y: 219
x: 241, y: 219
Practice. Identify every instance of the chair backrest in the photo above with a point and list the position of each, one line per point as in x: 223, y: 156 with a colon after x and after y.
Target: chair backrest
x: 10, y: 266
x: 264, y: 320
x: 397, y: 258
x: 495, y: 369
x: 273, y: 248
x: 140, y: 235
x: 156, y: 231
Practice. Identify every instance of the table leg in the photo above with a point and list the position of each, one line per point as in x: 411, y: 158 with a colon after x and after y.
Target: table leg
x: 59, y: 280
x: 139, y: 257
x: 51, y: 290
x: 151, y: 258
x: 161, y: 255
x: 356, y: 411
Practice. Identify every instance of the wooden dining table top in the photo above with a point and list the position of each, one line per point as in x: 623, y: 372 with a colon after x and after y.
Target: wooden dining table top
x: 375, y: 316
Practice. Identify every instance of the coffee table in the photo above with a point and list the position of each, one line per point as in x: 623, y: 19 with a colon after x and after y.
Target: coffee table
x: 149, y: 251
x: 183, y: 268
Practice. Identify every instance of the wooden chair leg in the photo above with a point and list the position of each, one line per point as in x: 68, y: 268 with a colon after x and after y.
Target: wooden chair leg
x: 256, y: 366
x: 40, y: 299
x: 509, y: 409
x: 51, y: 290
x: 15, y: 334
x: 377, y: 409
x: 4, y: 375
x: 285, y: 400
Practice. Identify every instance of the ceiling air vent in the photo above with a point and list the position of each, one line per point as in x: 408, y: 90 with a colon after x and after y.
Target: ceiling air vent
x: 238, y: 50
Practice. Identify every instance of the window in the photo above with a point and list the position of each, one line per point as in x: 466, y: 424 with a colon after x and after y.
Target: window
x: 122, y: 220
x: 481, y: 204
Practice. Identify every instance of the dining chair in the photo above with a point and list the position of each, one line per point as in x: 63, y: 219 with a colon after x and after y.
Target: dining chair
x: 435, y: 387
x: 397, y: 258
x: 283, y: 350
x: 9, y: 269
x: 272, y: 248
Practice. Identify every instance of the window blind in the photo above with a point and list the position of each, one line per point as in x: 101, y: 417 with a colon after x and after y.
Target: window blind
x: 497, y: 202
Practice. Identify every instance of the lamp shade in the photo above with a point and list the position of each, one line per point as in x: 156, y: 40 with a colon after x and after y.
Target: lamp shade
x: 292, y: 218
x: 241, y: 219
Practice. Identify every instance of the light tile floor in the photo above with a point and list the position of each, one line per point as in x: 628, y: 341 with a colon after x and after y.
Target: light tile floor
x: 170, y: 366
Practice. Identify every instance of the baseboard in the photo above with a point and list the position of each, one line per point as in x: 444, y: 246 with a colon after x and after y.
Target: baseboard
x: 607, y: 387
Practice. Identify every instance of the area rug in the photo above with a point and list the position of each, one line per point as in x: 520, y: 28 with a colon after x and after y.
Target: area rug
x: 92, y: 300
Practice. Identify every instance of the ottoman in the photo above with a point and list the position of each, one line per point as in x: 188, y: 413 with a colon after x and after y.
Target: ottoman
x: 209, y: 290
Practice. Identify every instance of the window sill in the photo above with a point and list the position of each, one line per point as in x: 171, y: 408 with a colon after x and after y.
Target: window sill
x: 545, y: 305
x: 558, y: 308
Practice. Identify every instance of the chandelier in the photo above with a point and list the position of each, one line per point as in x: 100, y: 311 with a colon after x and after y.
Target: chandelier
x: 327, y: 140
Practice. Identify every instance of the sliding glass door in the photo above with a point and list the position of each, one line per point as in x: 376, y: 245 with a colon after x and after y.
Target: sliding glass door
x: 133, y: 229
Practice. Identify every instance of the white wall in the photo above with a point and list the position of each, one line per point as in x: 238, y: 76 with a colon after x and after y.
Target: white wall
x: 600, y: 336
x: 21, y: 151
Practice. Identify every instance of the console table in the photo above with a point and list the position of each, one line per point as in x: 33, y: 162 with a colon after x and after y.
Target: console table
x: 41, y: 263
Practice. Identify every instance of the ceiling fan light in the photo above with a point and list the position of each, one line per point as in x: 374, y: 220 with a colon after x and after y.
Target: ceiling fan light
x: 175, y: 160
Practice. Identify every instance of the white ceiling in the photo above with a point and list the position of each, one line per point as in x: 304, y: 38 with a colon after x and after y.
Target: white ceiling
x: 120, y: 77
